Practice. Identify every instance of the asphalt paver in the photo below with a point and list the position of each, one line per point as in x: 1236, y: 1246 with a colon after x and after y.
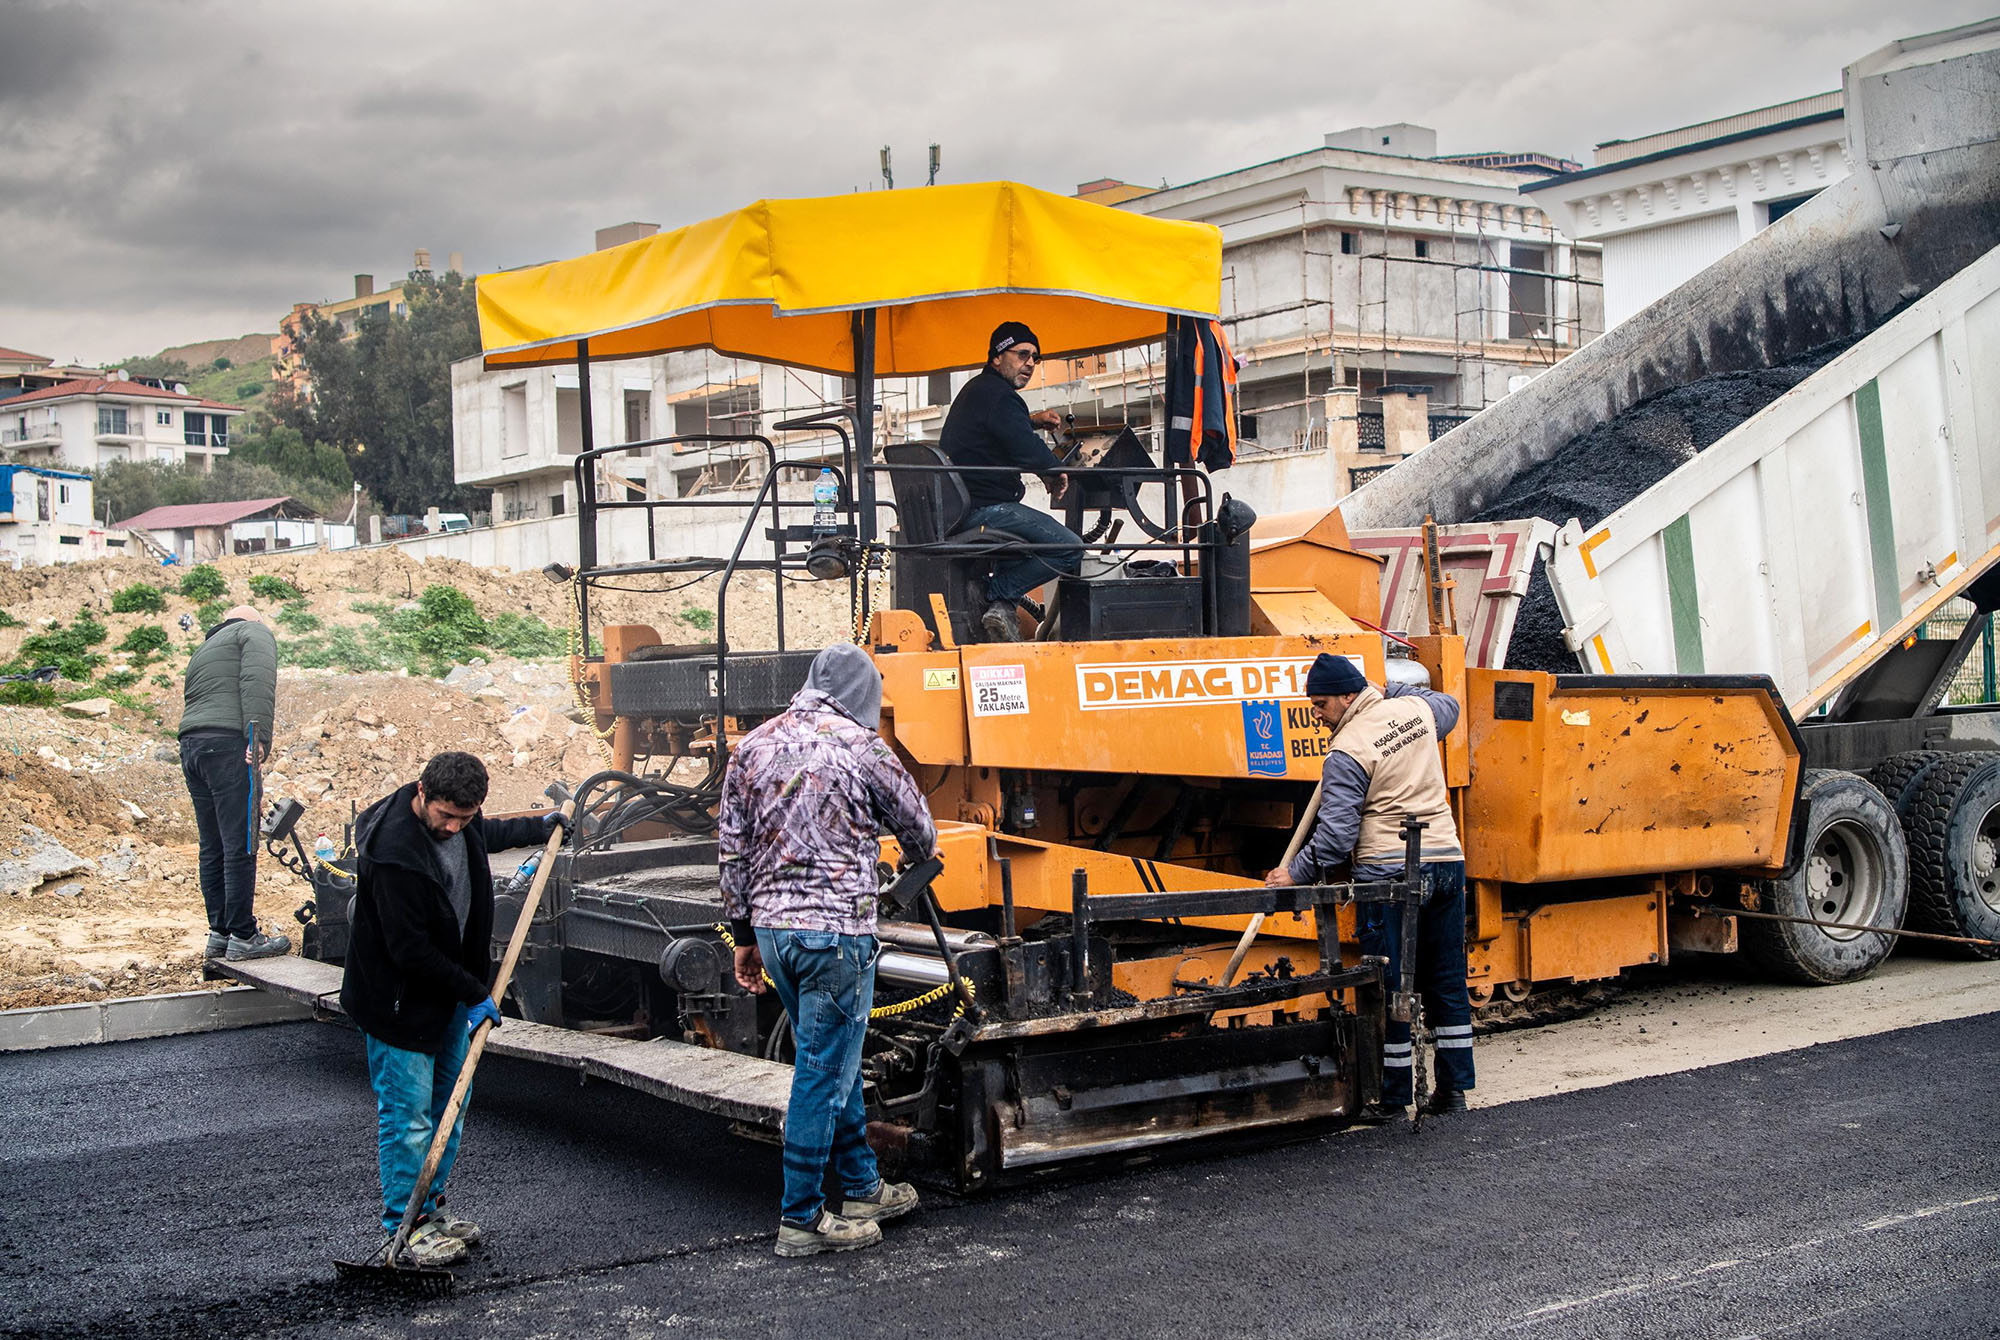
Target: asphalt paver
x: 199, y: 1186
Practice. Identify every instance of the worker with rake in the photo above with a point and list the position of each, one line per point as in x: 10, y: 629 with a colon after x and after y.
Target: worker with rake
x: 1383, y: 767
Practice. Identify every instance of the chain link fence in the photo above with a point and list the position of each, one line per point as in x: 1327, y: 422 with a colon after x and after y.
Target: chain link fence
x: 1975, y: 680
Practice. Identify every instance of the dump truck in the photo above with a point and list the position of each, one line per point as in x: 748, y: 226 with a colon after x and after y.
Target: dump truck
x: 1092, y: 971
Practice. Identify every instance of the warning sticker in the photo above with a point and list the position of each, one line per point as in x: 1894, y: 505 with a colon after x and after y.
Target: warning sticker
x: 1189, y: 683
x: 999, y: 690
x: 941, y: 679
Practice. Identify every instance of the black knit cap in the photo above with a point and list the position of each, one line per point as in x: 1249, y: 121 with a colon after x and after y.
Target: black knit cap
x: 1331, y: 676
x: 1006, y: 335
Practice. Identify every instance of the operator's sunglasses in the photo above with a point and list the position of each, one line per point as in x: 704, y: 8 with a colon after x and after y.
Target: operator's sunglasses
x: 1029, y: 354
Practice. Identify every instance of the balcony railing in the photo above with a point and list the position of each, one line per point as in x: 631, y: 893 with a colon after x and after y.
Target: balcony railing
x: 48, y: 432
x: 195, y: 439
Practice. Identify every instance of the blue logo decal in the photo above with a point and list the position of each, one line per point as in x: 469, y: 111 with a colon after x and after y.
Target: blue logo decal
x: 1264, y: 739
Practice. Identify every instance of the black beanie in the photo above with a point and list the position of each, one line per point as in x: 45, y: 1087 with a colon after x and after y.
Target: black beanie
x: 1006, y: 335
x: 1331, y: 676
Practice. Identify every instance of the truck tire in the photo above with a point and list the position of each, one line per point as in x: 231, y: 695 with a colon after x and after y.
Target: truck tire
x: 1856, y: 871
x: 1898, y: 776
x: 1953, y: 825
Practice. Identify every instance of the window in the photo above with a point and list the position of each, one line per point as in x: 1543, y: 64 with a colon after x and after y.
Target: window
x: 194, y: 429
x: 69, y: 539
x: 1246, y: 427
x: 111, y: 421
x: 164, y: 418
x: 62, y: 493
x: 940, y: 388
x: 638, y: 416
x: 1778, y: 209
x: 1528, y: 293
x: 1350, y: 243
x: 555, y: 504
x: 1423, y: 248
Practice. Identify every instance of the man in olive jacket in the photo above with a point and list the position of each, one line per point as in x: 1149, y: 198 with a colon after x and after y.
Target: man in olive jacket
x: 230, y: 701
x: 418, y: 972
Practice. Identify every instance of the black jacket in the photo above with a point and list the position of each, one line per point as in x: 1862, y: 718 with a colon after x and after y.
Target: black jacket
x: 407, y: 965
x: 988, y: 425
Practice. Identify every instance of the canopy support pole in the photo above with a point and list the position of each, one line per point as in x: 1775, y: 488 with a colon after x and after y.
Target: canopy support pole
x: 864, y: 423
x: 586, y: 532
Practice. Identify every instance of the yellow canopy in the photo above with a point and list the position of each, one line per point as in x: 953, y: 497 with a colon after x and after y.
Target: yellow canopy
x: 777, y: 281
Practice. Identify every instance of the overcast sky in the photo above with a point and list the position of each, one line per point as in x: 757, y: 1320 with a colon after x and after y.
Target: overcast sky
x: 179, y: 170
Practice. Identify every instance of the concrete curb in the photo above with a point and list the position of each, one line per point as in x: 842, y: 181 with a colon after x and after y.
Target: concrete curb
x: 137, y: 1017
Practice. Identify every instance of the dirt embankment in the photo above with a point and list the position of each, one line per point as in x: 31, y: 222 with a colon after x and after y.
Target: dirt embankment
x: 99, y: 890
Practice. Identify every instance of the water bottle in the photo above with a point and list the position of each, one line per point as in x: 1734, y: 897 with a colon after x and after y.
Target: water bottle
x: 323, y: 850
x: 826, y: 503
x: 523, y: 876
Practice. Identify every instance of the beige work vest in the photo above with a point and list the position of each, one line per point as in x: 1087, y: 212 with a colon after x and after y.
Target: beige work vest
x: 1395, y: 742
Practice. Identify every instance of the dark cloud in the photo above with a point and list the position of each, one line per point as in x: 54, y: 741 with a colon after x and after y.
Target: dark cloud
x: 175, y: 171
x: 43, y: 48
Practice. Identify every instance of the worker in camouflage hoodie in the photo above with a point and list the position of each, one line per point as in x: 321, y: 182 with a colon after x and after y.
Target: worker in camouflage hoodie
x: 807, y: 794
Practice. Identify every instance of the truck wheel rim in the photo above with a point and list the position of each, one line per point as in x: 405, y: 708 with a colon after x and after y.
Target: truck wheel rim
x: 1986, y: 860
x: 1844, y: 878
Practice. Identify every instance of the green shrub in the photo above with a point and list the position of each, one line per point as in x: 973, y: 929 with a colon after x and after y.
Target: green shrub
x: 294, y: 617
x: 78, y: 669
x: 204, y: 582
x: 164, y: 680
x: 266, y: 587
x: 209, y: 613
x: 27, y: 693
x: 699, y: 618
x: 139, y: 598
x: 145, y: 640
x: 248, y: 389
x: 9, y: 621
x: 119, y: 680
x: 523, y: 635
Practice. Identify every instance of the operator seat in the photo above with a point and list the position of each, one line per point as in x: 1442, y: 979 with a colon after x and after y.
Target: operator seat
x: 930, y: 503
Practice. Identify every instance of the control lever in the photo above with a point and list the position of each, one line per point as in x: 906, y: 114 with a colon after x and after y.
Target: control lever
x: 914, y: 886
x: 911, y: 884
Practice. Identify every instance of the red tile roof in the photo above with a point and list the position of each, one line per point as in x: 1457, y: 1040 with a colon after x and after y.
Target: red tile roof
x: 88, y: 387
x: 184, y: 516
x: 19, y: 356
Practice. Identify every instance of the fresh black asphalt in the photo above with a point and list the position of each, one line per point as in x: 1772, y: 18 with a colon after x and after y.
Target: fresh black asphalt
x: 200, y: 1186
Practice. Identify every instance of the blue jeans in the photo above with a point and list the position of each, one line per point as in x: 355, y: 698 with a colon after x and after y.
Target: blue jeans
x: 1013, y: 578
x: 1440, y: 980
x: 827, y: 984
x: 219, y: 784
x: 411, y: 1090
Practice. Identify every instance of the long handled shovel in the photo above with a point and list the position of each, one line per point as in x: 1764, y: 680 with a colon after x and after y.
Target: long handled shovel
x: 1291, y: 850
x: 387, y: 1267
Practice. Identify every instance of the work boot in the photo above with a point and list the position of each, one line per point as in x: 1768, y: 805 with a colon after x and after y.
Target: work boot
x: 833, y: 1233
x: 430, y: 1245
x: 452, y: 1226
x: 1378, y: 1114
x: 259, y: 945
x: 889, y: 1200
x: 217, y: 946
x: 1001, y: 622
x: 1446, y: 1101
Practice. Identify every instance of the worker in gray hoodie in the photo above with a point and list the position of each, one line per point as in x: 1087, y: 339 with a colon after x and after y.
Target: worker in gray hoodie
x: 230, y: 702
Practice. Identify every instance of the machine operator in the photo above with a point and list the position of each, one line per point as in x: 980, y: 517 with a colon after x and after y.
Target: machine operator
x: 1382, y: 766
x: 989, y: 425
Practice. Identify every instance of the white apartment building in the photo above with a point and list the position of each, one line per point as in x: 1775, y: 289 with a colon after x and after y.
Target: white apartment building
x: 90, y: 422
x: 1666, y: 206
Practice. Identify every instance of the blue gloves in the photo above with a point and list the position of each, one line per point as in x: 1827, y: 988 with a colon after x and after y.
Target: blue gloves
x: 484, y: 1012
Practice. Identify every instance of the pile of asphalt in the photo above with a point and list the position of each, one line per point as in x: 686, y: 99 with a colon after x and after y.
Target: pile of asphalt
x: 1599, y: 471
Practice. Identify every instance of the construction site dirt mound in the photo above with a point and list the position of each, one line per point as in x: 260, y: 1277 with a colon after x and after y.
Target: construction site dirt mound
x: 99, y: 889
x: 1599, y: 471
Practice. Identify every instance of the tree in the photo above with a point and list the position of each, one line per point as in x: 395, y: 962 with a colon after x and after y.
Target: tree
x: 384, y: 395
x: 157, y: 365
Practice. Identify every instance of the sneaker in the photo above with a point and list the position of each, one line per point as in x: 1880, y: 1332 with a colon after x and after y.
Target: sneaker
x: 833, y: 1233
x: 217, y: 946
x: 1001, y: 622
x: 1446, y: 1101
x: 452, y: 1226
x: 430, y: 1245
x: 889, y: 1200
x: 259, y: 945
